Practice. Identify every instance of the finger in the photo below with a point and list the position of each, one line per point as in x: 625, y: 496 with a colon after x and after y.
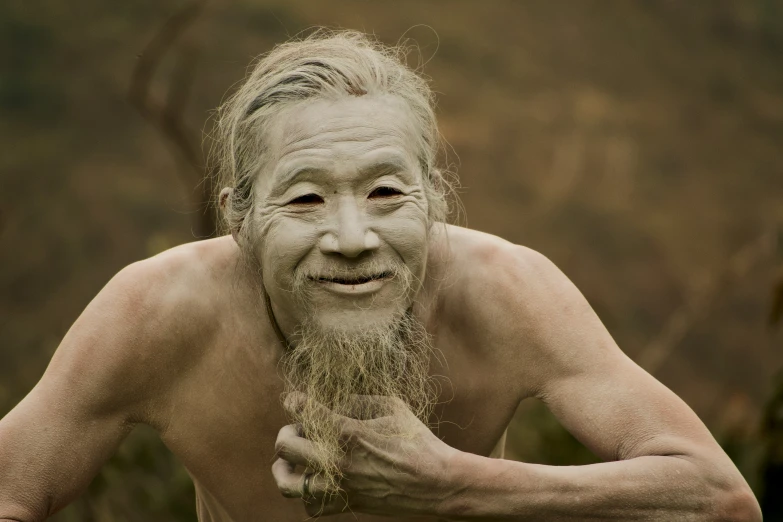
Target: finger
x: 319, y: 488
x: 295, y: 402
x: 373, y: 406
x: 288, y: 481
x: 291, y: 446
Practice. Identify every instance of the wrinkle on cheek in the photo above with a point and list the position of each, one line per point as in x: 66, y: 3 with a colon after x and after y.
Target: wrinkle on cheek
x: 272, y: 215
x: 410, y: 209
x: 271, y: 253
x: 417, y: 197
x: 406, y: 241
x: 288, y: 240
x: 264, y: 218
x: 421, y: 205
x: 405, y: 231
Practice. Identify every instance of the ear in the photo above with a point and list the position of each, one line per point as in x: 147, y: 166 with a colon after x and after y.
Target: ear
x: 436, y: 178
x: 225, y: 194
x: 223, y: 202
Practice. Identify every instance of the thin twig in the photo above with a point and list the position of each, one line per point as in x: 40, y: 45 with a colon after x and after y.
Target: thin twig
x: 168, y: 115
x: 681, y: 321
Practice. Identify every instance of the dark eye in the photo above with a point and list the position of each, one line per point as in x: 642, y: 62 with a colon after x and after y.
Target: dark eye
x: 307, y: 199
x: 385, y: 192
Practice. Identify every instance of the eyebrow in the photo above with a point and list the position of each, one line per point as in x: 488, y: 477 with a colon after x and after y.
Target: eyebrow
x: 382, y: 167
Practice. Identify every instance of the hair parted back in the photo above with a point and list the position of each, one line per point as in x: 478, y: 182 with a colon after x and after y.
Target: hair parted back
x: 325, y: 64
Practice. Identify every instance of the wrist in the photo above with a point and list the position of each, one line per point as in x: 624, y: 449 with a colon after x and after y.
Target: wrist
x: 464, y: 477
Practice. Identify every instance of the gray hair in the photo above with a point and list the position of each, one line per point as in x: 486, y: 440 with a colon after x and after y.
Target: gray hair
x: 325, y: 64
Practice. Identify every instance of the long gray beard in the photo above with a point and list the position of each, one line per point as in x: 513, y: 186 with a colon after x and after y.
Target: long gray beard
x: 338, y: 370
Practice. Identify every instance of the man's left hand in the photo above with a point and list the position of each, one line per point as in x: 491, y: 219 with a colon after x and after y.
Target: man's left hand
x: 382, y: 474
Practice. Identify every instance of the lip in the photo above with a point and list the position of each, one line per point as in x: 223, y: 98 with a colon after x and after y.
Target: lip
x: 353, y: 289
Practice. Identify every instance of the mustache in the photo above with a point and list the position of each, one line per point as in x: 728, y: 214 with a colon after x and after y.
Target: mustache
x: 307, y: 278
x: 353, y: 274
x: 352, y: 278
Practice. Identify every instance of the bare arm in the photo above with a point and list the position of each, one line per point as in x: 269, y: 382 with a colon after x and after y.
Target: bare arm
x: 100, y: 382
x: 544, y: 340
x: 664, y: 464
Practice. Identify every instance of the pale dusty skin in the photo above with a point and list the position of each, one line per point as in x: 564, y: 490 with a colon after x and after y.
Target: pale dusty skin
x: 182, y: 342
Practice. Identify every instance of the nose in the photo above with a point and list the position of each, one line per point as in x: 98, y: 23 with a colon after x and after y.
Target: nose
x: 349, y: 235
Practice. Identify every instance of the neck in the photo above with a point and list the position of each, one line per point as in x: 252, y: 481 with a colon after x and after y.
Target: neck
x: 273, y: 320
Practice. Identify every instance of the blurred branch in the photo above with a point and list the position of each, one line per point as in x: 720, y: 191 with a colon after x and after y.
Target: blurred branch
x: 680, y: 322
x: 776, y: 310
x: 168, y: 115
x: 776, y: 313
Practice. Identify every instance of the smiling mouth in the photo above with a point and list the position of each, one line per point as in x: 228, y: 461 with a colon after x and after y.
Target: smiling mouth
x: 353, y: 280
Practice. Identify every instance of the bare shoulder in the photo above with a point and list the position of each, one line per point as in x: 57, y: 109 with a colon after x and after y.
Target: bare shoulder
x: 510, y: 299
x: 179, y: 284
x: 492, y: 271
x: 172, y: 294
x: 143, y: 330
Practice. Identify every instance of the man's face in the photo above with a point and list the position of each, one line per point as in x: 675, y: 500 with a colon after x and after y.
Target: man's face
x: 340, y: 223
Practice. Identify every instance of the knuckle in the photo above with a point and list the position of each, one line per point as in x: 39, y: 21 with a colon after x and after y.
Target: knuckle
x: 288, y: 430
x: 279, y: 471
x: 349, y: 439
x: 346, y: 462
x: 349, y: 429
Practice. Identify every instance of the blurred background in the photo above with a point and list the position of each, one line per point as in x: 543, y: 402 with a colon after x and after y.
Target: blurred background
x: 639, y: 145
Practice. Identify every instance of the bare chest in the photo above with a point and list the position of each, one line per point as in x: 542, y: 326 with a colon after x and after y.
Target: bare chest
x: 224, y: 421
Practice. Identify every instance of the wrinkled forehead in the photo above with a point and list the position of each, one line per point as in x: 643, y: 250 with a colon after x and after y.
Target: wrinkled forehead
x: 347, y: 130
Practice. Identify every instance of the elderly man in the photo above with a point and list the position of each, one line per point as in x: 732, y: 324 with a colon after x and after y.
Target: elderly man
x: 346, y: 348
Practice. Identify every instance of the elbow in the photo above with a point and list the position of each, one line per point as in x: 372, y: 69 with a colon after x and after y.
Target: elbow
x: 736, y: 504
